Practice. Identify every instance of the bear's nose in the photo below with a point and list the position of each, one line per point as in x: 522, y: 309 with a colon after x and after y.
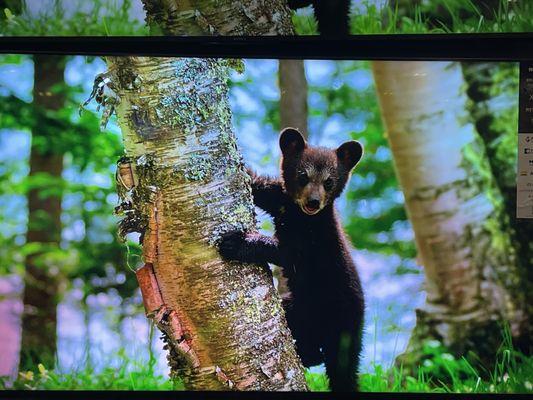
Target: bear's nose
x: 313, y: 204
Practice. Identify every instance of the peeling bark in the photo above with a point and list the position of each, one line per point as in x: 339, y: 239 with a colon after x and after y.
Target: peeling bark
x: 222, y: 17
x: 182, y: 184
x: 41, y: 286
x: 454, y: 207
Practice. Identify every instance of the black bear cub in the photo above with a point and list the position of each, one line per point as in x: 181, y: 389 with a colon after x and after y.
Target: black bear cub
x: 325, y: 309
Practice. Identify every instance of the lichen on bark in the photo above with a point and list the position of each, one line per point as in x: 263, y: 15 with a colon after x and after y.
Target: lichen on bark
x: 191, y: 187
x: 221, y: 17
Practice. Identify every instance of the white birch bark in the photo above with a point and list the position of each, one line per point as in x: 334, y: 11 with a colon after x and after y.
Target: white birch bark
x: 453, y: 205
x: 183, y: 184
x: 220, y: 17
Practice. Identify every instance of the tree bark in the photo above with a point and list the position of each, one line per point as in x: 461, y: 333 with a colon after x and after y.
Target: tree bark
x: 293, y: 95
x: 222, y: 17
x: 488, y: 85
x: 454, y: 206
x: 44, y: 224
x: 183, y: 184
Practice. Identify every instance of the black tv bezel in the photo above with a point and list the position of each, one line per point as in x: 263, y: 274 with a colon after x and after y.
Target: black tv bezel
x: 419, y: 47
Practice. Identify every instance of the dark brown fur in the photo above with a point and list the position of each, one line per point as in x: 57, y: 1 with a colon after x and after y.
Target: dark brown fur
x: 325, y: 312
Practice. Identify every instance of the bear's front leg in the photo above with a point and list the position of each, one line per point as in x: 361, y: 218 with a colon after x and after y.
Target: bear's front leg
x: 268, y: 193
x: 249, y: 247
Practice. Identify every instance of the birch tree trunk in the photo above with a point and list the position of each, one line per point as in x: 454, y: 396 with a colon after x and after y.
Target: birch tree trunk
x: 454, y: 207
x: 183, y: 184
x: 41, y: 285
x: 221, y: 17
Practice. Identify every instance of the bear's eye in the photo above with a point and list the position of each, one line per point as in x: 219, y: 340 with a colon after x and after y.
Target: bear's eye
x: 303, y: 179
x: 328, y: 184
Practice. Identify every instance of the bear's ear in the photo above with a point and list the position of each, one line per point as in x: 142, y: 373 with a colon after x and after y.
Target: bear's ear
x: 291, y: 141
x: 349, y: 154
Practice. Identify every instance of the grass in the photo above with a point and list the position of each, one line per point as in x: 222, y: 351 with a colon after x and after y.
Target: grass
x: 444, y: 16
x: 512, y: 373
x: 106, y: 18
x: 454, y: 16
x: 131, y: 375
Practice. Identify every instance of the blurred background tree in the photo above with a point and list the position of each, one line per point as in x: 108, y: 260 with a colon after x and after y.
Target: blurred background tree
x: 53, y: 261
x: 41, y: 285
x: 462, y: 235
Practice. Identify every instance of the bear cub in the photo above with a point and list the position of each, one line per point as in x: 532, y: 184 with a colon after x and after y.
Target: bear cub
x: 325, y: 309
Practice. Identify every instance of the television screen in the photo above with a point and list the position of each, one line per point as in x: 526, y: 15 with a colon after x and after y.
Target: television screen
x: 264, y: 224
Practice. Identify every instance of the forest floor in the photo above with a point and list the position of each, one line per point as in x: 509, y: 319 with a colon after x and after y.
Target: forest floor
x: 512, y: 374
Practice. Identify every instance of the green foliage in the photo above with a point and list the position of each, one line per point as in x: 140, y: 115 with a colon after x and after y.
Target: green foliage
x: 395, y: 380
x: 388, y: 21
x: 88, y: 153
x: 9, y: 7
x: 503, y: 106
x: 304, y: 22
x: 438, y: 362
x: 512, y: 374
x: 441, y: 372
x: 131, y: 375
x: 106, y: 18
x: 433, y: 16
x: 62, y: 131
x: 460, y: 16
x: 317, y: 382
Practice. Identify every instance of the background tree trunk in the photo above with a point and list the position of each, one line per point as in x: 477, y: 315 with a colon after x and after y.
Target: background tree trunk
x: 40, y: 297
x: 293, y: 95
x: 454, y: 206
x: 489, y: 86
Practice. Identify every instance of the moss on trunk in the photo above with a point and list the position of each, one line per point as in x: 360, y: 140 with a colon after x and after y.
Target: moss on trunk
x: 223, y: 322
